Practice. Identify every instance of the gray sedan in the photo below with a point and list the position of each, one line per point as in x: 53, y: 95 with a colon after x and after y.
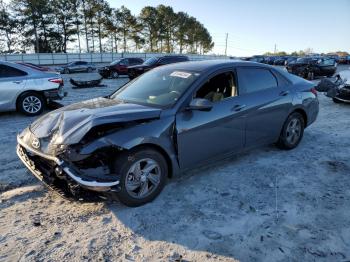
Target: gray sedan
x: 76, y: 67
x: 169, y: 119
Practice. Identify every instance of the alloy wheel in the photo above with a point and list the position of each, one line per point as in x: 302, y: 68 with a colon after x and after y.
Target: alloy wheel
x: 293, y: 131
x: 143, y: 178
x: 31, y: 104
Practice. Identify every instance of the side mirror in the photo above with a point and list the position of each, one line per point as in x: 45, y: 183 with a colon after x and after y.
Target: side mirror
x: 200, y: 104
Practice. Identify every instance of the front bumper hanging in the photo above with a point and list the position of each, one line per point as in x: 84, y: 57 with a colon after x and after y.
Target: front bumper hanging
x: 26, y: 154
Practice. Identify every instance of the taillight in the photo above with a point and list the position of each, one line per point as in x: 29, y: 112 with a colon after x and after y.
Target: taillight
x: 313, y: 90
x: 56, y: 80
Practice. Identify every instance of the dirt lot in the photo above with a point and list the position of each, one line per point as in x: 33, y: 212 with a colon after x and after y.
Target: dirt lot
x: 265, y: 205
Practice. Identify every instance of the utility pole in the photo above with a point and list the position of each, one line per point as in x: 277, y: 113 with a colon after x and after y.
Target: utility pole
x: 275, y: 50
x: 226, y: 44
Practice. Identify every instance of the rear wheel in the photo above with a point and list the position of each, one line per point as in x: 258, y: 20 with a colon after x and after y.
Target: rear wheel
x: 66, y: 71
x: 292, y: 132
x: 89, y: 70
x: 143, y: 175
x: 31, y: 103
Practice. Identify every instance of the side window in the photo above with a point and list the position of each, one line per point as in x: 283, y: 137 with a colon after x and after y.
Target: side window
x: 218, y: 87
x: 8, y: 71
x: 125, y: 62
x: 255, y: 79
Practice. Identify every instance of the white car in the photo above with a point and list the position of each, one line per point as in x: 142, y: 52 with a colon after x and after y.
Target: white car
x: 26, y: 89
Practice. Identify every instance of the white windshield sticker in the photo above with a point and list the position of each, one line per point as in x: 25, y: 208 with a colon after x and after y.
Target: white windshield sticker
x: 180, y: 74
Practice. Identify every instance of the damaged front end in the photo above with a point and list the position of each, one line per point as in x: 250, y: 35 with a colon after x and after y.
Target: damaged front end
x: 70, y: 177
x: 54, y: 147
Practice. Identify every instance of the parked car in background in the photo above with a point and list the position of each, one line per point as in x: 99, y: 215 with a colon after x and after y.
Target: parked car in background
x: 257, y: 58
x: 135, y: 71
x: 26, y: 89
x: 270, y: 60
x: 119, y: 67
x: 310, y: 67
x: 34, y: 66
x: 281, y: 60
x: 170, y: 119
x: 344, y: 59
x: 75, y: 67
x: 290, y: 59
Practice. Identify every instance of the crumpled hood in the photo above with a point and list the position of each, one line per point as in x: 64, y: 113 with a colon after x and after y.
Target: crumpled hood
x: 69, y: 124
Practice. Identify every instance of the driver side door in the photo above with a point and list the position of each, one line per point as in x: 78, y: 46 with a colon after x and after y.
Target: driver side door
x: 202, y: 135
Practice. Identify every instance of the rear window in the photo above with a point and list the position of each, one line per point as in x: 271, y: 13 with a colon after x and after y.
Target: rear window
x: 8, y: 71
x: 255, y: 79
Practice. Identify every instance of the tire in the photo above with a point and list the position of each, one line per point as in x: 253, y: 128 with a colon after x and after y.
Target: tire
x: 31, y: 103
x: 89, y: 70
x: 114, y: 74
x: 66, y: 71
x: 285, y: 140
x: 132, y: 182
x: 310, y: 76
x: 336, y: 100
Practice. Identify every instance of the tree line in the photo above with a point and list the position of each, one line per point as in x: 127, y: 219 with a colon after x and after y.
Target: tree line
x: 52, y: 26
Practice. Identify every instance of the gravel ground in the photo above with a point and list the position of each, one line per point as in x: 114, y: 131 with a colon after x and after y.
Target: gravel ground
x: 264, y: 205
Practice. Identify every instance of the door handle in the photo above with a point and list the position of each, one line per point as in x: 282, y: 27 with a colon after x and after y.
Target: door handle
x: 284, y: 93
x: 16, y: 82
x: 238, y: 107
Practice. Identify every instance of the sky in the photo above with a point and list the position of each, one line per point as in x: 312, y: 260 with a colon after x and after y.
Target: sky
x: 256, y: 26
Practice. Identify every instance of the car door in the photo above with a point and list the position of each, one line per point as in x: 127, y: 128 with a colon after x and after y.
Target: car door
x: 12, y: 82
x: 267, y: 98
x: 326, y: 67
x: 202, y: 135
x: 123, y: 66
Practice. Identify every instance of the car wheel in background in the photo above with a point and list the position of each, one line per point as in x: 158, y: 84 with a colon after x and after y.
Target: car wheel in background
x: 31, y: 103
x: 143, y: 174
x: 115, y: 74
x: 292, y: 132
x: 66, y: 71
x: 89, y: 70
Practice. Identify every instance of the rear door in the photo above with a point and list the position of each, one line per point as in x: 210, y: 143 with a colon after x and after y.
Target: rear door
x: 12, y: 82
x: 267, y: 97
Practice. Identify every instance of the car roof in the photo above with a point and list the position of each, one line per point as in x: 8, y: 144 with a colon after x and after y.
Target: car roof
x: 208, y: 65
x: 29, y: 70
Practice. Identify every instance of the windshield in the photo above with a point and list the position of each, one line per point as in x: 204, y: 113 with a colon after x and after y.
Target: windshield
x: 160, y: 87
x: 151, y: 61
x: 115, y: 62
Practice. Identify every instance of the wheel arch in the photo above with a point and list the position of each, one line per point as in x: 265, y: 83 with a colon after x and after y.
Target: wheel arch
x: 41, y: 93
x: 302, y: 112
x: 160, y: 150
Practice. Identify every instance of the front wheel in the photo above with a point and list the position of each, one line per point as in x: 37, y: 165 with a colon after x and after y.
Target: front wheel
x: 143, y: 175
x: 292, y: 132
x: 115, y: 74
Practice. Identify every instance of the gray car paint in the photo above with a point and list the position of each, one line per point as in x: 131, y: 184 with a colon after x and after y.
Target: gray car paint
x: 186, y: 137
x: 15, y: 86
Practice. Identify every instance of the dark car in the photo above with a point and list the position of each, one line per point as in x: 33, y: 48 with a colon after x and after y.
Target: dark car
x: 119, y: 67
x: 257, y: 58
x: 290, y: 60
x: 171, y: 118
x: 135, y: 71
x: 271, y: 60
x: 280, y: 60
x: 75, y: 67
x: 310, y: 67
